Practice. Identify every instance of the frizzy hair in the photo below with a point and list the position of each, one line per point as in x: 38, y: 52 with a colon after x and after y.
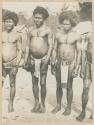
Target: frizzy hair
x: 10, y: 15
x: 70, y: 15
x: 41, y: 10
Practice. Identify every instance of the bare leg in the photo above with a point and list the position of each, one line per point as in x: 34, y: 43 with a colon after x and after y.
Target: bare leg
x: 69, y: 91
x: 86, y: 87
x: 12, y: 92
x: 84, y: 100
x: 91, y: 116
x: 59, y: 91
x: 35, y: 93
x: 4, y: 74
x: 43, y: 92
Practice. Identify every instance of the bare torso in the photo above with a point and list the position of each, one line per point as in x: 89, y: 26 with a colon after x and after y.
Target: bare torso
x: 9, y: 46
x: 66, y: 44
x: 39, y: 42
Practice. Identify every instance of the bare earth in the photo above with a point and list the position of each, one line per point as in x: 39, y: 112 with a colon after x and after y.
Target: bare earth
x: 24, y: 100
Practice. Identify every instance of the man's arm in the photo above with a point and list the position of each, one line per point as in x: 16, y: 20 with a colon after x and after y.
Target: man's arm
x: 86, y: 40
x: 54, y: 56
x: 50, y: 42
x: 53, y: 60
x: 78, y: 57
x: 27, y: 47
x: 19, y: 50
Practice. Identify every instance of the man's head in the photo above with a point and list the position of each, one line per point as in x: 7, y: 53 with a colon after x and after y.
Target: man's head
x: 10, y: 20
x: 68, y: 19
x: 40, y: 14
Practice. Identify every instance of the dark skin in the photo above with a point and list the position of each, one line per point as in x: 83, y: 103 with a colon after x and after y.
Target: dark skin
x: 85, y: 71
x: 66, y: 52
x: 13, y: 39
x: 43, y: 33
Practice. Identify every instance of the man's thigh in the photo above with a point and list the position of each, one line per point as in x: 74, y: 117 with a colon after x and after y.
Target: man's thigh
x: 12, y: 74
x: 30, y: 66
x: 58, y: 72
x: 4, y: 72
x: 70, y: 74
x: 43, y: 69
x: 88, y: 76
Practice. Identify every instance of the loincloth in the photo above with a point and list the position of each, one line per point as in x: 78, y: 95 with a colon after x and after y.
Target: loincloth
x: 38, y: 67
x: 62, y: 69
x: 8, y: 68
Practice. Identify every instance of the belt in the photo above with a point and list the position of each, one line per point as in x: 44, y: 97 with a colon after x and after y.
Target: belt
x: 65, y: 63
x: 8, y: 64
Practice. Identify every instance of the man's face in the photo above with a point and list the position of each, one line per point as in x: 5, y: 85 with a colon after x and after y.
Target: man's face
x: 38, y: 19
x: 66, y: 25
x: 9, y: 24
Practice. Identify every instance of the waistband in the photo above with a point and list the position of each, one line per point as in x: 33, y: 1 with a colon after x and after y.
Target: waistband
x: 10, y: 63
x: 37, y: 59
x: 63, y: 62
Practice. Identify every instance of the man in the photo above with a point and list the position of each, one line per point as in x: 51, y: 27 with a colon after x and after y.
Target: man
x: 40, y: 47
x: 86, y: 61
x: 67, y: 42
x: 11, y: 53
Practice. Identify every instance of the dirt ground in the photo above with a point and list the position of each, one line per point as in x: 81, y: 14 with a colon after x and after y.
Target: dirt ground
x: 24, y: 100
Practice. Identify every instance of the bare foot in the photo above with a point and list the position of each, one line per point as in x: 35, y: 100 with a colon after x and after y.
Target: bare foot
x: 56, y: 109
x: 36, y: 108
x: 42, y: 109
x: 91, y: 116
x: 67, y: 111
x: 81, y: 116
x: 10, y: 108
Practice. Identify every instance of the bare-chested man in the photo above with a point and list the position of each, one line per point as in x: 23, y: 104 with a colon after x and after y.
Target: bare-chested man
x: 86, y: 61
x: 11, y: 52
x: 66, y: 45
x: 40, y: 47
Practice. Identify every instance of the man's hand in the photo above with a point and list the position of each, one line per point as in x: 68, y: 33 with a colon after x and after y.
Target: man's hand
x: 45, y: 60
x: 53, y: 69
x: 24, y: 63
x: 75, y: 73
x: 82, y: 73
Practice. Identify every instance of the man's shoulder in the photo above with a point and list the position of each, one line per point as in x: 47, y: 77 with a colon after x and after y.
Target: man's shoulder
x: 47, y: 28
x: 76, y: 34
x: 16, y: 33
x: 30, y: 29
x: 58, y: 33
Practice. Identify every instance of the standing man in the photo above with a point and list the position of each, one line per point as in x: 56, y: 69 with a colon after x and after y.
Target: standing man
x: 86, y: 58
x: 66, y: 45
x: 11, y: 52
x: 39, y: 51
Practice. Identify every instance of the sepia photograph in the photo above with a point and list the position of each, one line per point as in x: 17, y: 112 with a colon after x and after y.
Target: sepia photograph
x: 47, y: 61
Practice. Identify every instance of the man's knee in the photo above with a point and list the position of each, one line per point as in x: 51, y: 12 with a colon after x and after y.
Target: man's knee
x: 43, y: 83
x: 12, y: 82
x: 34, y: 81
x: 59, y: 86
x: 12, y: 79
x: 69, y: 86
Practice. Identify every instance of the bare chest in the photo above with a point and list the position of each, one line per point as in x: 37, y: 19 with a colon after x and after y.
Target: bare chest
x: 67, y: 39
x: 9, y: 38
x: 39, y: 33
